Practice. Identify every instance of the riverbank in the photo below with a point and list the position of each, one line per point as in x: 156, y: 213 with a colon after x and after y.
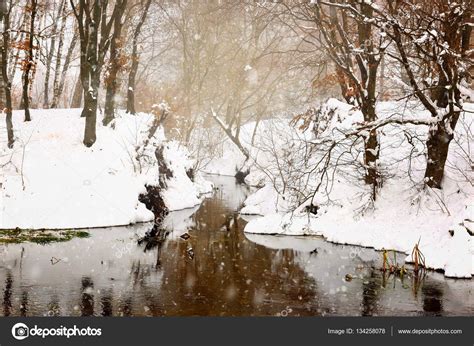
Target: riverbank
x: 50, y: 180
x: 404, y: 213
x: 230, y: 273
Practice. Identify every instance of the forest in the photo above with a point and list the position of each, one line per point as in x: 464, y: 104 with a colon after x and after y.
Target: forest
x: 343, y: 125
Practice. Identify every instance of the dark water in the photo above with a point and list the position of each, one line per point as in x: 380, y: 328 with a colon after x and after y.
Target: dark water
x: 227, y: 273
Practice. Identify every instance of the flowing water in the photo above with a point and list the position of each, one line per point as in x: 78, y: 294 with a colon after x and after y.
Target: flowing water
x: 217, y: 271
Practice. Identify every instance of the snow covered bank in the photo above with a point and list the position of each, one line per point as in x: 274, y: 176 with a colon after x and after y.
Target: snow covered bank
x: 51, y: 180
x: 403, y: 214
x: 181, y: 192
x: 390, y: 226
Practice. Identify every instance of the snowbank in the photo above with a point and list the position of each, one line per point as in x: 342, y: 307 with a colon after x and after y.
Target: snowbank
x: 391, y: 226
x: 51, y: 180
x: 181, y: 192
x: 403, y: 214
x: 264, y: 201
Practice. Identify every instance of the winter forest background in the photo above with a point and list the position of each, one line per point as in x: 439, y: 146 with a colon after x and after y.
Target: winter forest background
x: 351, y: 120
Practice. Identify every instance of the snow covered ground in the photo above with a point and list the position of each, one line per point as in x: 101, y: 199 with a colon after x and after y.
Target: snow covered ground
x: 51, y: 180
x: 403, y: 214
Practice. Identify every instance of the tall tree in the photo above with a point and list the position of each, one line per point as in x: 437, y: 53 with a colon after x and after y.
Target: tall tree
x: 77, y: 94
x: 135, y: 58
x: 5, y: 83
x: 60, y: 76
x: 344, y: 30
x: 94, y: 28
x: 28, y: 63
x: 115, y: 63
x: 435, y: 35
x: 51, y: 50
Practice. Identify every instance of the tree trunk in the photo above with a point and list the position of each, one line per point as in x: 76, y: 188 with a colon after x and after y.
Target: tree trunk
x: 7, y: 107
x: 91, y: 17
x: 49, y: 58
x: 446, y: 95
x: 59, y: 85
x: 111, y: 81
x: 371, y: 156
x: 90, y: 115
x: 59, y: 55
x: 135, y: 58
x: 369, y: 74
x: 439, y: 138
x: 29, y: 63
x: 77, y: 95
x: 91, y: 80
x: 14, y: 56
x: 371, y: 150
x: 131, y: 86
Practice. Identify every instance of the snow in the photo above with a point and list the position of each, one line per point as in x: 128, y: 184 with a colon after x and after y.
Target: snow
x: 387, y: 228
x: 302, y: 244
x: 163, y: 106
x: 181, y: 192
x: 228, y: 164
x: 51, y: 180
x: 404, y: 212
x: 263, y: 202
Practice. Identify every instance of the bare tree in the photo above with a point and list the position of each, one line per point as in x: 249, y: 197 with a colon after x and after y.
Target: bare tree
x: 345, y: 31
x: 77, y: 94
x: 5, y: 83
x: 145, y: 6
x: 60, y: 77
x: 230, y: 71
x: 94, y: 28
x: 51, y: 50
x: 115, y: 64
x: 28, y: 63
x: 18, y: 22
x: 437, y: 35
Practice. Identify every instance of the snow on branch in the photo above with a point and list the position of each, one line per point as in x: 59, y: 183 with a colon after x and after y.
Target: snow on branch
x: 373, y: 125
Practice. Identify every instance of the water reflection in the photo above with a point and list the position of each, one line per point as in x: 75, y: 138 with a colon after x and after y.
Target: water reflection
x: 432, y: 299
x: 7, y: 294
x: 227, y: 274
x: 370, y: 289
x: 87, y: 297
x: 217, y: 271
x: 106, y: 302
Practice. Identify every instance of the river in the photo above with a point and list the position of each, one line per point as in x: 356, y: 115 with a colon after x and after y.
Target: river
x: 217, y: 271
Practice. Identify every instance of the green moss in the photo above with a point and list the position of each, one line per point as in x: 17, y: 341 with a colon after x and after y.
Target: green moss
x: 81, y: 234
x: 10, y: 232
x: 12, y: 236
